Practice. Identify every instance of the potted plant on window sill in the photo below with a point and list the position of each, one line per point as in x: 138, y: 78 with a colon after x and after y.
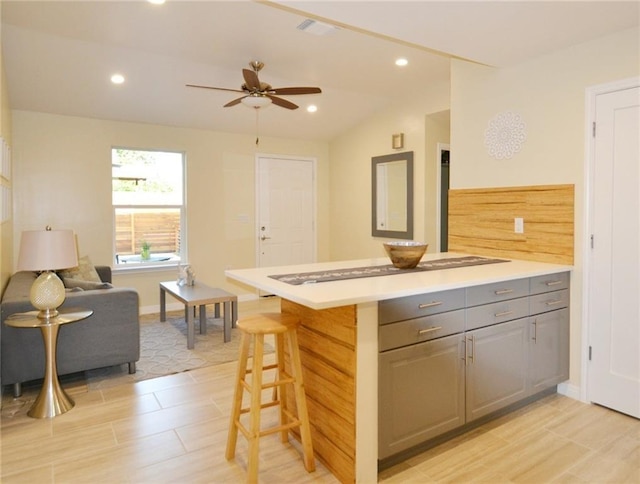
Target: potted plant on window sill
x: 145, y: 250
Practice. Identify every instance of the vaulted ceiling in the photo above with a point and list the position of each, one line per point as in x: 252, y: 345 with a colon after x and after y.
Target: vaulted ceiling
x: 59, y: 55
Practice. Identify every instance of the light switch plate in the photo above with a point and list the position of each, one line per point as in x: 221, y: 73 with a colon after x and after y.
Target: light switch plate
x: 518, y: 225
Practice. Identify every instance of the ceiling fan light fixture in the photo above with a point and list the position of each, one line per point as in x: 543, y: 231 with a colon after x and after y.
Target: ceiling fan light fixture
x: 256, y: 101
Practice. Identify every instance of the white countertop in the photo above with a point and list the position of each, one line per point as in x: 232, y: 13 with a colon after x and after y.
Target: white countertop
x: 324, y: 295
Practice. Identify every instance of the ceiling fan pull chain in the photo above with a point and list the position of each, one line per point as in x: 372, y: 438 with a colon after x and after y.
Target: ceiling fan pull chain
x: 257, y: 126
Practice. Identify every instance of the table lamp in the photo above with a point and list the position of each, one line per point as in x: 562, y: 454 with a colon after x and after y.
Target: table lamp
x: 47, y: 250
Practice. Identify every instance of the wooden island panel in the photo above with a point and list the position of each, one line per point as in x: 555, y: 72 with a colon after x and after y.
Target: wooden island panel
x: 327, y: 340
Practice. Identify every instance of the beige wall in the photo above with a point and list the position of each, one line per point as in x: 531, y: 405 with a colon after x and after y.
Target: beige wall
x: 549, y: 94
x: 6, y: 229
x: 350, y: 182
x: 62, y: 178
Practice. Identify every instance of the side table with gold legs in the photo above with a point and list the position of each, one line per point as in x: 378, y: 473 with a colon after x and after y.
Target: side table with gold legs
x: 52, y: 400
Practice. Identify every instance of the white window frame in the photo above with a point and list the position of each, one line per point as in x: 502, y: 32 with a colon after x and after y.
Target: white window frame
x: 150, y: 265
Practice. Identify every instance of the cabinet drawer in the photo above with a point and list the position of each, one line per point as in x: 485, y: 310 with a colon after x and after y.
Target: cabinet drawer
x: 499, y: 312
x: 417, y: 330
x: 411, y: 307
x: 550, y: 282
x: 499, y: 291
x: 542, y: 303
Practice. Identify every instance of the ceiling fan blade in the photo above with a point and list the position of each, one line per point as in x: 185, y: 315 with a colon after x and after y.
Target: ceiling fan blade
x: 289, y: 91
x: 215, y: 88
x: 234, y: 102
x: 251, y: 79
x: 283, y: 103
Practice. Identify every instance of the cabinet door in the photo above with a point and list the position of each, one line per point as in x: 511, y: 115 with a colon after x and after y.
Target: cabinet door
x: 421, y: 393
x: 497, y: 367
x: 549, y: 346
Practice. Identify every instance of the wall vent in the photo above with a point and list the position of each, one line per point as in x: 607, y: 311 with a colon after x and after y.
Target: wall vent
x: 316, y: 28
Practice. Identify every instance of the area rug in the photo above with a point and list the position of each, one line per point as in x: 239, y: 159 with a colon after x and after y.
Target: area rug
x: 163, y: 350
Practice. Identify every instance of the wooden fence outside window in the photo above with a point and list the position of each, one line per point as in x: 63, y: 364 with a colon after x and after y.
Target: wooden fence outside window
x: 160, y: 229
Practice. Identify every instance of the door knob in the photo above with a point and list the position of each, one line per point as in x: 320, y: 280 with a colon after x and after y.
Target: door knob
x: 264, y: 237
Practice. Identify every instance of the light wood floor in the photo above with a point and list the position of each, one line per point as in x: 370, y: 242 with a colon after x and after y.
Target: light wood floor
x: 174, y: 429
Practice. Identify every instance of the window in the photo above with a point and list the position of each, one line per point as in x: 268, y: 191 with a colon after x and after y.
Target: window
x: 148, y: 207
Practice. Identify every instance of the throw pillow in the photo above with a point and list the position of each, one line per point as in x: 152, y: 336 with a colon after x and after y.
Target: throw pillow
x: 73, y: 289
x: 70, y: 282
x: 84, y: 272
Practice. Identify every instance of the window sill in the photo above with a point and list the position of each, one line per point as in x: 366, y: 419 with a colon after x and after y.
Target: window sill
x: 141, y: 268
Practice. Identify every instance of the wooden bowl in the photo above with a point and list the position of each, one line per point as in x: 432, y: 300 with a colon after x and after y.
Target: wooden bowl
x: 405, y: 254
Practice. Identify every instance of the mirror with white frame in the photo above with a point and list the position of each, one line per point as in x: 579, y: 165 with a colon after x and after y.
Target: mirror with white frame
x: 392, y: 195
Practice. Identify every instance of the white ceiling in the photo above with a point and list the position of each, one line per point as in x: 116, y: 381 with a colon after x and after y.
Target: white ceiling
x: 59, y: 55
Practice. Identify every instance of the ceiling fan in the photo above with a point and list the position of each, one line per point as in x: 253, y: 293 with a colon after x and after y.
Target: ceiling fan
x: 258, y: 94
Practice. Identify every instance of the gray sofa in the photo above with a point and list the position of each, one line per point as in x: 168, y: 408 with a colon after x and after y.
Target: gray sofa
x: 111, y: 336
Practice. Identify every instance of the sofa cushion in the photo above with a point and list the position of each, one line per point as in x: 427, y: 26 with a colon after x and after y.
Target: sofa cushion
x: 72, y: 283
x: 84, y: 272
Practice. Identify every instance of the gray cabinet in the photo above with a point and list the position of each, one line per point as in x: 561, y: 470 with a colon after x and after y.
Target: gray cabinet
x: 549, y: 350
x: 497, y: 367
x: 423, y: 393
x: 449, y: 358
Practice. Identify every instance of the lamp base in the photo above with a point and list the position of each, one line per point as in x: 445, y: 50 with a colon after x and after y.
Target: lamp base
x: 47, y: 294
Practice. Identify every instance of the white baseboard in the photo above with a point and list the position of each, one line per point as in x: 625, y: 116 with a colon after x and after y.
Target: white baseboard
x: 569, y: 390
x: 177, y: 306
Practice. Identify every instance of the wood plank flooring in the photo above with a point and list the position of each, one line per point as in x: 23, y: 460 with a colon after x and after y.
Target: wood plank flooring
x: 174, y: 429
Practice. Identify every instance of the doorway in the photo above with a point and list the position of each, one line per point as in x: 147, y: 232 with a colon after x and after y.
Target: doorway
x: 443, y: 157
x: 612, y: 258
x: 285, y: 211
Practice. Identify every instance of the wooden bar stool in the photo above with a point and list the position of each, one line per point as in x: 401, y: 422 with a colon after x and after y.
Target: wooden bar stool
x: 254, y: 328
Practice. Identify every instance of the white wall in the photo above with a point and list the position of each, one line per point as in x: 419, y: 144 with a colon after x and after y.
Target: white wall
x: 549, y: 94
x: 350, y: 181
x: 62, y: 177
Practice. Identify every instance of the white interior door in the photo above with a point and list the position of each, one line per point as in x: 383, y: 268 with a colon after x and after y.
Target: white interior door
x: 286, y: 211
x: 614, y: 278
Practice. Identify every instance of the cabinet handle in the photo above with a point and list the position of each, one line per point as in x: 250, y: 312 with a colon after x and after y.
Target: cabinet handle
x: 553, y: 283
x: 429, y: 305
x: 535, y: 331
x: 428, y: 330
x: 500, y: 292
x: 554, y: 302
x: 503, y: 313
x: 471, y: 354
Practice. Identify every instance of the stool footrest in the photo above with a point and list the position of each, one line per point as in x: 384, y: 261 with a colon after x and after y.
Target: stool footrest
x: 286, y: 378
x: 264, y: 368
x: 264, y: 405
x: 270, y: 430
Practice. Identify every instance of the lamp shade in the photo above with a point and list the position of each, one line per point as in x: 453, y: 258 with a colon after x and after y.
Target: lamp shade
x: 45, y: 250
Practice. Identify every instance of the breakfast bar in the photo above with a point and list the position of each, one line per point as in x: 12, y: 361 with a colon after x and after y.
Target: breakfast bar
x: 339, y: 338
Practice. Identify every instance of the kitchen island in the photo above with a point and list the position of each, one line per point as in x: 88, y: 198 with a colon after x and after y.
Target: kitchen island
x: 339, y: 343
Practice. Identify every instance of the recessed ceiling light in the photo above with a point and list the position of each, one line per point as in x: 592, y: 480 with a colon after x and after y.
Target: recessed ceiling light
x: 156, y: 2
x: 312, y: 108
x: 401, y: 62
x: 117, y: 78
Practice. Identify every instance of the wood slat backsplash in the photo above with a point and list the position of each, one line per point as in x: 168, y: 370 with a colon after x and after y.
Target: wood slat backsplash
x: 481, y: 221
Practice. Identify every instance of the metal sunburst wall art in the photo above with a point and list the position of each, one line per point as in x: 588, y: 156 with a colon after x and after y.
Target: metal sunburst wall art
x: 505, y: 135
